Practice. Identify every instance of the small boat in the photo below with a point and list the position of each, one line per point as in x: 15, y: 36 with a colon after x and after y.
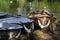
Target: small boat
x: 10, y: 25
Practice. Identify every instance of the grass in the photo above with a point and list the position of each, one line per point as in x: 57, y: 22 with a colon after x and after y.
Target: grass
x: 55, y: 5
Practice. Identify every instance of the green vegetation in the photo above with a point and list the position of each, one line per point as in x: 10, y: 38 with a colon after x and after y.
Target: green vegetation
x: 6, y: 6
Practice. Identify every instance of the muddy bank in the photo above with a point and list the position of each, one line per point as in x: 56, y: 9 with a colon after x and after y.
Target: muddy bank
x: 39, y: 35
